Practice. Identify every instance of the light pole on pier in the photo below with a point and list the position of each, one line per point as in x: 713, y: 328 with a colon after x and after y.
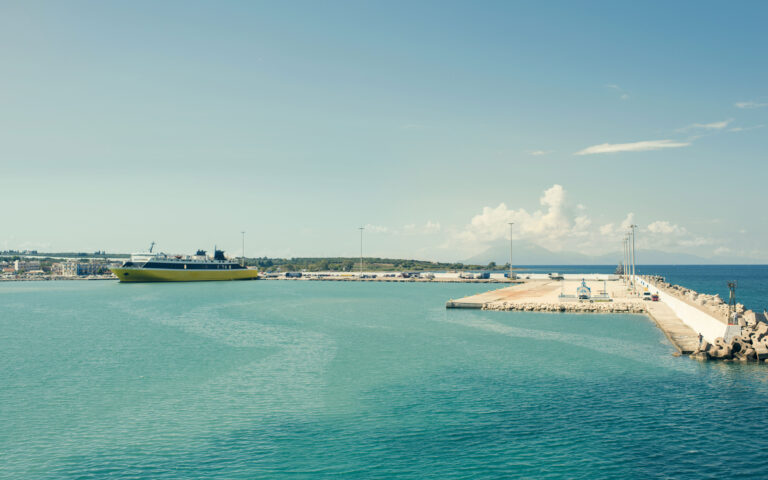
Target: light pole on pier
x: 625, y: 263
x: 634, y: 286
x: 628, y: 269
x: 511, y: 275
x: 361, y: 250
x: 243, y: 233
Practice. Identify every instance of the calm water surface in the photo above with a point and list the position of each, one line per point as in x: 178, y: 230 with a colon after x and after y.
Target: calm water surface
x: 354, y: 380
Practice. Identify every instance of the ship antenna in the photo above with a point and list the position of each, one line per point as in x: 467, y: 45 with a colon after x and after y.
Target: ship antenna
x: 151, y: 246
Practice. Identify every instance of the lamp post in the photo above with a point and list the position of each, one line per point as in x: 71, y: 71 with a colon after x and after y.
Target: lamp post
x: 626, y: 259
x: 361, y: 250
x: 634, y: 286
x: 511, y: 275
x: 243, y: 233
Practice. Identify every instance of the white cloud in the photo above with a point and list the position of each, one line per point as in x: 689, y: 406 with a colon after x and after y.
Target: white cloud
x: 622, y: 94
x: 664, y: 234
x: 632, y: 147
x: 426, y: 229
x: 548, y: 226
x: 722, y: 251
x: 376, y: 228
x: 607, y: 229
x: 707, y: 126
x: 745, y: 129
x: 628, y: 222
x: 537, y: 153
x: 613, y: 231
x: 663, y: 226
x: 750, y: 104
x: 561, y: 225
x: 431, y: 227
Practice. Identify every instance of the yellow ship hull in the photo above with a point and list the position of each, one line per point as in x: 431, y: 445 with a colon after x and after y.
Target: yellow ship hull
x: 167, y: 275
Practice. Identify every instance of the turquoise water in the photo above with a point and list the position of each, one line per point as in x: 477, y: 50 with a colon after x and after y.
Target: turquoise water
x: 354, y: 380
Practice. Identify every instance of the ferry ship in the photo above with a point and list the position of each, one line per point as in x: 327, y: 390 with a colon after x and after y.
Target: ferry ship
x: 159, y: 267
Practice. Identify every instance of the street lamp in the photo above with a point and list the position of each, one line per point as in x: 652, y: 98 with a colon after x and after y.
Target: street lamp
x: 243, y: 233
x: 510, y: 251
x: 634, y: 286
x: 625, y: 271
x: 361, y: 250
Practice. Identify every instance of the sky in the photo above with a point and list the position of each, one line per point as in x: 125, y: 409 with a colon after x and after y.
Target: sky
x: 432, y: 124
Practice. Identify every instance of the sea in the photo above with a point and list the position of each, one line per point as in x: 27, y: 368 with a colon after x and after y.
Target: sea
x: 309, y: 379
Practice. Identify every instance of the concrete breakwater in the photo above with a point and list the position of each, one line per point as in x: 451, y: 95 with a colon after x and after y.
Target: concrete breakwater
x: 750, y: 345
x: 712, y: 304
x: 696, y: 324
x: 725, y: 335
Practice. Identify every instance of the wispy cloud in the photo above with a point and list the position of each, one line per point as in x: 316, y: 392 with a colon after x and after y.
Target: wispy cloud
x: 426, y: 229
x: 632, y: 147
x: 538, y: 153
x: 376, y: 228
x: 665, y: 227
x: 750, y: 104
x: 744, y: 129
x: 622, y: 94
x: 707, y: 126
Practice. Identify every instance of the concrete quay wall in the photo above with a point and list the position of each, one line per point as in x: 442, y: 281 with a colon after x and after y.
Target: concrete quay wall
x: 701, y: 322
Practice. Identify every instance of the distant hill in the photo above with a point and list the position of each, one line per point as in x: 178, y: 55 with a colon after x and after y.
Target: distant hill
x: 526, y: 253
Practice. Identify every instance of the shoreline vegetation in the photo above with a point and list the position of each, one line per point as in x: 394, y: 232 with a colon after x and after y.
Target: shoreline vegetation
x: 370, y: 264
x: 33, y: 265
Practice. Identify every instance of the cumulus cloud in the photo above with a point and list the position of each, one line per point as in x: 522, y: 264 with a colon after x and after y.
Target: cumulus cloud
x: 607, y: 229
x: 628, y: 222
x: 750, y: 104
x: 553, y: 222
x: 562, y: 225
x: 663, y: 226
x: 612, y: 230
x: 632, y: 147
x: 431, y: 227
x: 663, y: 233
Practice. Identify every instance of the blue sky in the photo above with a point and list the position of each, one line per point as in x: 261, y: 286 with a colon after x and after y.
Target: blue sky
x: 433, y: 123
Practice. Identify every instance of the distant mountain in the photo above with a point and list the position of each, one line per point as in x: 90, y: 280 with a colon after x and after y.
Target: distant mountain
x: 526, y: 253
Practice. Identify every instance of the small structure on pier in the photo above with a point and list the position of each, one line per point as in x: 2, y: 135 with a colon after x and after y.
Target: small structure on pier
x: 583, y: 292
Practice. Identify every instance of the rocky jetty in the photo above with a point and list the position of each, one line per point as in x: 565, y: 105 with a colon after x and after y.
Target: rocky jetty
x: 572, y: 307
x: 751, y: 345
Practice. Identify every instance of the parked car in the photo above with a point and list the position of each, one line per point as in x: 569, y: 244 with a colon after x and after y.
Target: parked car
x: 646, y: 295
x: 654, y: 298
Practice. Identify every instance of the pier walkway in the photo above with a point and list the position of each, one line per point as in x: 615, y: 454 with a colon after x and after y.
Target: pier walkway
x: 544, y: 296
x: 681, y: 335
